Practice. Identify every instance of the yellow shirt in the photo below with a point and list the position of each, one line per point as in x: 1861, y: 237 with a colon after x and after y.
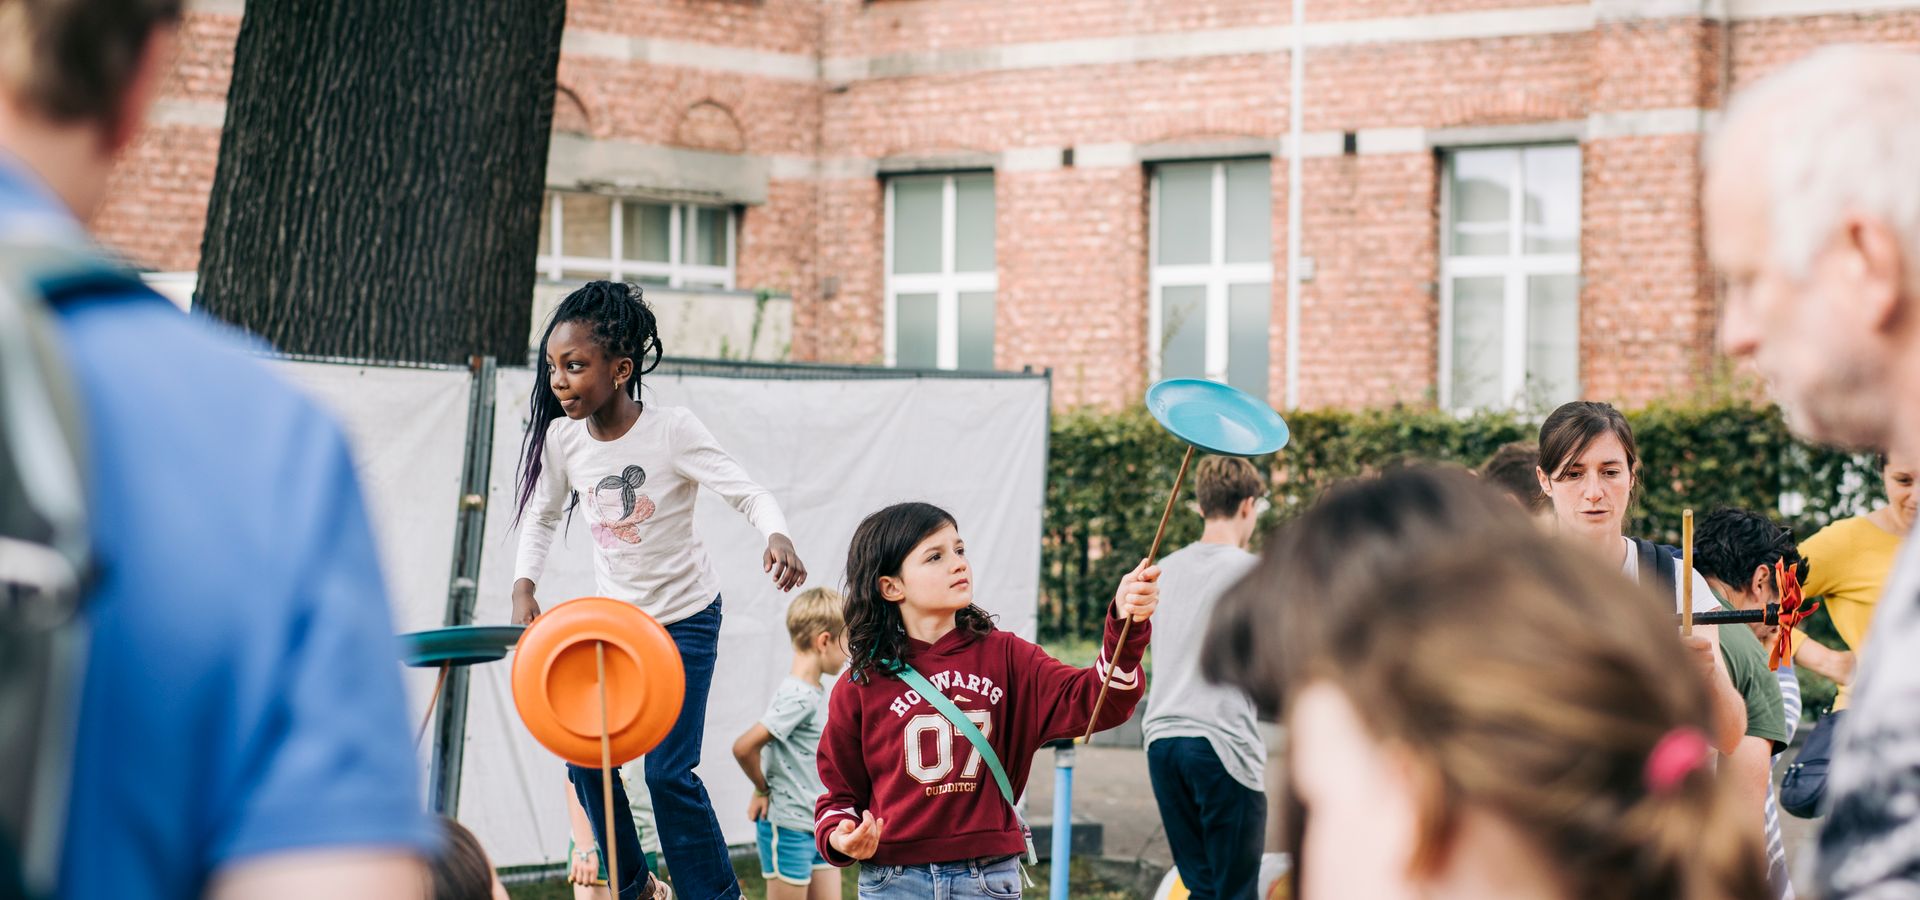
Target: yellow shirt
x: 1848, y: 564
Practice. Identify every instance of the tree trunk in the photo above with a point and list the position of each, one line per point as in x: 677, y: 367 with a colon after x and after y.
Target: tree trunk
x: 380, y: 175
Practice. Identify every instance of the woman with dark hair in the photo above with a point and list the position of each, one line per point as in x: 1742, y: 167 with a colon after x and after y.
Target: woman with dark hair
x: 909, y: 793
x: 1462, y: 722
x: 1589, y: 467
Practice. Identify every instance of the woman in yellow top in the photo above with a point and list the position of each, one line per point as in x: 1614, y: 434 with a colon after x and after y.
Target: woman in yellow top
x: 1848, y: 563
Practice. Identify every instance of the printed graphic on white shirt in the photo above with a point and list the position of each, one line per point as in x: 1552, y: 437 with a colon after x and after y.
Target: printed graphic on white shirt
x: 619, y: 492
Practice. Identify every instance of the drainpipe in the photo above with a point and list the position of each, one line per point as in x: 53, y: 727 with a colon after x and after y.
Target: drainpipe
x: 1298, y: 60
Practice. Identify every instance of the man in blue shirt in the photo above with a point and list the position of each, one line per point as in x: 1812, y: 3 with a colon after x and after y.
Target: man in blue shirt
x: 242, y: 730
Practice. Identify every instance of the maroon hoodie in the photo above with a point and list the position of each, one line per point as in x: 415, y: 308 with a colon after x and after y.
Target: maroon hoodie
x: 887, y: 750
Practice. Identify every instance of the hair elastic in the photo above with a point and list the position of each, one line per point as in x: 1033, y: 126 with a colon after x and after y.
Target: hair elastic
x: 1676, y: 756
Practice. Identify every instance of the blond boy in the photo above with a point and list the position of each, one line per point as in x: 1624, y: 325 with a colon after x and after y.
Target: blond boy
x: 787, y: 785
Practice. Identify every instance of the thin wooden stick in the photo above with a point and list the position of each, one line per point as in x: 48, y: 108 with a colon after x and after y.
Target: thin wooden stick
x: 1152, y: 552
x: 438, y: 683
x: 606, y: 772
x: 1686, y: 572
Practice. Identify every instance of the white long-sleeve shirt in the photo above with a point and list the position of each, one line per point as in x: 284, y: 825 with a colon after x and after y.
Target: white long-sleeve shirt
x: 636, y: 495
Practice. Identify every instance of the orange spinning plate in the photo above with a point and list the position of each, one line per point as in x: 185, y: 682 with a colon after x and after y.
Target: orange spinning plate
x: 556, y: 680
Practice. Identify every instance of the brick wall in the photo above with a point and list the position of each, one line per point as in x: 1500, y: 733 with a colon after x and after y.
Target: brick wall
x: 923, y: 78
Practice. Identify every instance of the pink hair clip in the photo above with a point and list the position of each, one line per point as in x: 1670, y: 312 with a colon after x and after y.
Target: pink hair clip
x: 1676, y: 756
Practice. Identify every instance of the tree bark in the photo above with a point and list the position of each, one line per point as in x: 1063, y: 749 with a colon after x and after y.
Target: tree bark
x: 380, y: 176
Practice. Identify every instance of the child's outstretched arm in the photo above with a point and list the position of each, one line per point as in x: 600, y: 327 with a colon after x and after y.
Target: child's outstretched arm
x: 844, y: 828
x: 1067, y: 694
x: 537, y: 522
x: 746, y: 752
x: 697, y: 456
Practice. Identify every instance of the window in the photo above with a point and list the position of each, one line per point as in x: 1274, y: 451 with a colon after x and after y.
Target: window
x: 1211, y: 291
x: 1510, y: 278
x: 584, y: 237
x: 940, y: 271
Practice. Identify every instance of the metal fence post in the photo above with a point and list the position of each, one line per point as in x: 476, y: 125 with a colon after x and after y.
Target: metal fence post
x: 450, y: 728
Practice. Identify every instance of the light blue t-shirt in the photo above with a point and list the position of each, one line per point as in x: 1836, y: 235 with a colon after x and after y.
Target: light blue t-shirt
x: 241, y: 695
x: 795, y: 717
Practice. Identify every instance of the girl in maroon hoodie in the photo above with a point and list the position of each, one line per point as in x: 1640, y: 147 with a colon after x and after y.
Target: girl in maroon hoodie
x: 907, y: 796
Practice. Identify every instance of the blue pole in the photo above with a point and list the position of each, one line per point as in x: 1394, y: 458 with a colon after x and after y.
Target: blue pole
x: 1062, y: 819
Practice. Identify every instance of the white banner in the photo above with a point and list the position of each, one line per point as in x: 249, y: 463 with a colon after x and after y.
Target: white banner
x: 407, y: 429
x: 831, y: 451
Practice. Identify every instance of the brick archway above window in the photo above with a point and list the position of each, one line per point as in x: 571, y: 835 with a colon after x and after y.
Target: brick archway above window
x: 570, y: 112
x: 1509, y: 107
x: 707, y: 125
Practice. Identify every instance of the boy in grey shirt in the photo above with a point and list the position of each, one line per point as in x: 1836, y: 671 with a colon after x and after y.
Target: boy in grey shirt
x: 786, y: 787
x: 1204, y: 751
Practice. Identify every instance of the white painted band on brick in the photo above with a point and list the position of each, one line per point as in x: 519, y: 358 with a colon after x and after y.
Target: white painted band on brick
x: 848, y: 169
x: 792, y: 168
x: 1317, y: 144
x: 1030, y: 159
x: 1134, y: 48
x: 1646, y: 123
x: 690, y: 55
x: 192, y: 113
x: 1391, y: 140
x: 1776, y: 9
x: 1093, y: 156
x: 217, y: 7
x: 1634, y: 10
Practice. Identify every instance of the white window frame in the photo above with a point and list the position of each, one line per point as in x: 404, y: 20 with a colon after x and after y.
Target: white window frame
x: 677, y: 274
x: 946, y: 285
x: 1215, y: 275
x: 1514, y: 268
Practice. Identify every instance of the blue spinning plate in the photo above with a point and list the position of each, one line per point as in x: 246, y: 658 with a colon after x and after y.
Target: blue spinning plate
x: 1217, y: 418
x: 459, y: 645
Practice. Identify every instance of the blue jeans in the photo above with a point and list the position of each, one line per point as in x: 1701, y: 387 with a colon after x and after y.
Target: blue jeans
x: 1214, y: 823
x: 967, y: 880
x: 689, y: 833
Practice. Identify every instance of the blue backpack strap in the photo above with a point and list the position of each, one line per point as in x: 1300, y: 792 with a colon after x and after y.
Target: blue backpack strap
x: 1656, y: 559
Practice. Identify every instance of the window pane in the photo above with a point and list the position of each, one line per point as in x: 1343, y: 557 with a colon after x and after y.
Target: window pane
x: 644, y: 231
x: 708, y: 228
x: 586, y: 226
x: 1477, y: 320
x: 973, y: 223
x: 1183, y: 331
x: 1553, y: 339
x: 916, y: 225
x: 1552, y: 180
x: 586, y: 274
x: 916, y: 332
x: 1478, y: 197
x: 1249, y: 211
x: 546, y: 224
x: 1249, y: 309
x: 1185, y: 228
x: 660, y: 280
x: 976, y: 330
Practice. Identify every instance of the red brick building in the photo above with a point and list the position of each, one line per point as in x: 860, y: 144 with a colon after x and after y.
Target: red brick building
x: 1500, y: 197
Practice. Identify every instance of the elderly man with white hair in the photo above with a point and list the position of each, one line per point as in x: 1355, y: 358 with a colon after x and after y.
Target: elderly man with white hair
x: 1813, y: 217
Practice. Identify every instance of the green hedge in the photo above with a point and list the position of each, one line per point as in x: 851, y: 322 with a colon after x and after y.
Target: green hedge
x: 1109, y: 473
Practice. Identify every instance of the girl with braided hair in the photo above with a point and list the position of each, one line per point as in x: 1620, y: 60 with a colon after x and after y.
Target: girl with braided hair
x: 636, y: 468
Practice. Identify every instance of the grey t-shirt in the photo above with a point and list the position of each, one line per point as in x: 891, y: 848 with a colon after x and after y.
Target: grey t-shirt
x: 795, y: 717
x: 1870, y: 846
x: 1180, y: 701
